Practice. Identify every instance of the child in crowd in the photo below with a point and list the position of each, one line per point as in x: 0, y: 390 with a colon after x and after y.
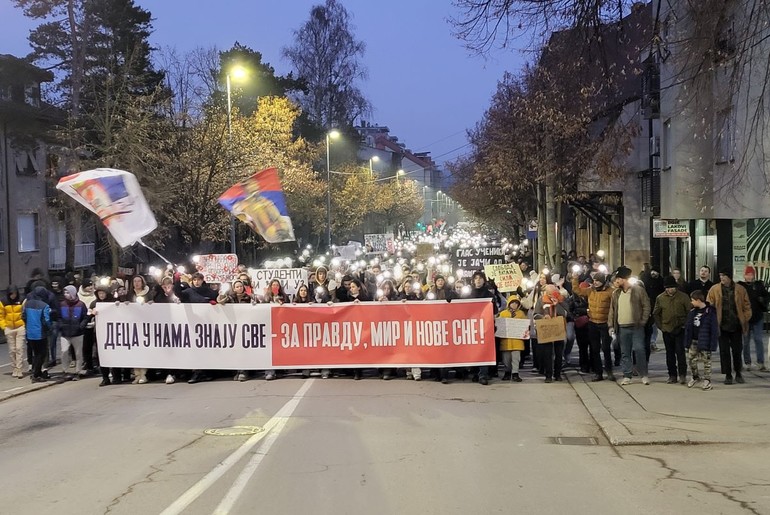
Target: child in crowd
x: 511, y: 348
x: 701, y: 336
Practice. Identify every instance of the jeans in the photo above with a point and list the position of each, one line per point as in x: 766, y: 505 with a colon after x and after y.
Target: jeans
x: 730, y: 346
x: 632, y: 341
x: 53, y: 341
x: 600, y: 340
x: 757, y: 333
x: 676, y: 361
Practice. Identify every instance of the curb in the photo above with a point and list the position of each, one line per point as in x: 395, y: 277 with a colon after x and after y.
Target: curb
x: 33, y: 387
x: 619, y: 435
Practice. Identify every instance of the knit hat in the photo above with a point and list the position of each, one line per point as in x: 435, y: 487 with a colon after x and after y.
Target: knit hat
x: 623, y: 272
x: 727, y: 271
x: 598, y: 276
x: 71, y: 291
x: 749, y: 270
x: 669, y: 282
x: 439, y: 276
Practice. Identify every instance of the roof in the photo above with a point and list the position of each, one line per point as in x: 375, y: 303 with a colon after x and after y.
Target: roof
x: 12, y: 66
x: 382, y: 142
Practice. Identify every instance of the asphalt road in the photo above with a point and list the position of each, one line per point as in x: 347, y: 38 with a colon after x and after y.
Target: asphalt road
x: 339, y: 446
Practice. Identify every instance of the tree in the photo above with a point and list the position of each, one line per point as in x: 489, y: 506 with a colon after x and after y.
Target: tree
x: 325, y: 55
x: 105, y: 81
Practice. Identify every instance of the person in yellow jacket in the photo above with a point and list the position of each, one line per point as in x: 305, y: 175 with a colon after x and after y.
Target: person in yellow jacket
x: 13, y: 327
x: 511, y: 348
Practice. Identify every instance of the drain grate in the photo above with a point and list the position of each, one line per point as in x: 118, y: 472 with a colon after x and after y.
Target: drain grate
x: 234, y: 431
x: 574, y: 440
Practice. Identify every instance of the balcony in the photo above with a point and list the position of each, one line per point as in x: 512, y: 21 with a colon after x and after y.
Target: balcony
x: 85, y: 256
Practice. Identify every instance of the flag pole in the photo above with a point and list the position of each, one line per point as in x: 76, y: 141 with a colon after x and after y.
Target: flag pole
x: 143, y: 244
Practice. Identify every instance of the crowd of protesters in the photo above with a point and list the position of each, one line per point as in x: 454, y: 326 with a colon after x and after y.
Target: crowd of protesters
x: 612, y: 318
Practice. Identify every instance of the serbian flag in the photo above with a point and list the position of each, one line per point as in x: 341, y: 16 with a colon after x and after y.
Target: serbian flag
x: 116, y: 198
x: 259, y: 203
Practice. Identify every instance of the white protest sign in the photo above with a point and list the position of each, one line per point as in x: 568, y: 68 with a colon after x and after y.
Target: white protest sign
x: 512, y: 328
x: 291, y: 278
x: 507, y: 276
x: 379, y: 243
x: 218, y: 268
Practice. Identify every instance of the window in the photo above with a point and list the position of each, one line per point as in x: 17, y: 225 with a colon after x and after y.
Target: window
x: 666, y: 141
x: 27, y: 225
x: 724, y: 139
x: 27, y: 162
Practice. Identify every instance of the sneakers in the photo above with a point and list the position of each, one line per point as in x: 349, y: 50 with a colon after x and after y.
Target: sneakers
x: 728, y: 379
x: 671, y: 380
x: 611, y: 377
x: 105, y: 382
x: 692, y: 382
x: 707, y: 385
x: 484, y: 381
x: 626, y: 381
x: 141, y: 380
x: 325, y: 375
x: 763, y: 368
x: 507, y: 376
x: 516, y: 378
x: 269, y: 376
x: 683, y: 380
x: 548, y: 380
x: 170, y: 379
x: 597, y: 378
x: 645, y: 381
x: 418, y: 378
x: 739, y: 378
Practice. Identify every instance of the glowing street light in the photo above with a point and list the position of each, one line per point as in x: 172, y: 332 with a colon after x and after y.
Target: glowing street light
x: 333, y: 134
x: 237, y: 73
x: 373, y: 159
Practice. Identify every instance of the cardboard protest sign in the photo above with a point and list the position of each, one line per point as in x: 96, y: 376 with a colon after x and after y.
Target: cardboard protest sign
x: 507, y: 277
x: 512, y: 328
x: 218, y: 268
x: 551, y: 329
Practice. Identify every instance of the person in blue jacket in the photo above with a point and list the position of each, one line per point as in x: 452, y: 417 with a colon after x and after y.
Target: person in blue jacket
x: 701, y: 335
x: 36, y: 314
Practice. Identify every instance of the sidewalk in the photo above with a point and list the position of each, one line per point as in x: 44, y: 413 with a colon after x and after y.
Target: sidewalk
x: 12, y: 387
x: 672, y: 413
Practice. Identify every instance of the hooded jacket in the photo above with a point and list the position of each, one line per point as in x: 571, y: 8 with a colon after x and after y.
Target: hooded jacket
x: 73, y: 313
x: 508, y: 344
x: 598, y: 301
x: 36, y: 314
x: 10, y: 311
x: 702, y: 327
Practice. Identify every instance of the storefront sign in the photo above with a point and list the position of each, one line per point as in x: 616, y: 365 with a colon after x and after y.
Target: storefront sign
x: 668, y: 229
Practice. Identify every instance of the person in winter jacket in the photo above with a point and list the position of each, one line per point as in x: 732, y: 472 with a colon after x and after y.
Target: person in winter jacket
x: 15, y: 333
x: 74, y: 318
x: 236, y: 295
x: 87, y: 295
x: 629, y: 313
x: 36, y: 314
x: 440, y: 290
x: 512, y: 348
x: 552, y: 305
x: 599, y: 295
x: 701, y: 335
x: 139, y: 291
x: 103, y: 295
x: 758, y: 297
x: 480, y: 290
x: 670, y: 313
x: 733, y: 308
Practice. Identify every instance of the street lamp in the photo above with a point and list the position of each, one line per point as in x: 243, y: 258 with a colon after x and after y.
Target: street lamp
x: 399, y: 174
x: 333, y: 134
x: 237, y: 73
x: 373, y: 159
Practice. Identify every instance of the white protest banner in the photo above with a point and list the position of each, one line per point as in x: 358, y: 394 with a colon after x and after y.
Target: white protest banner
x: 379, y: 243
x: 218, y: 268
x: 507, y: 277
x: 268, y: 336
x: 184, y: 336
x: 512, y: 328
x: 291, y: 278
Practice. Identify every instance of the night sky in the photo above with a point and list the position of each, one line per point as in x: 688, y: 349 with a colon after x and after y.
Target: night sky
x: 423, y: 84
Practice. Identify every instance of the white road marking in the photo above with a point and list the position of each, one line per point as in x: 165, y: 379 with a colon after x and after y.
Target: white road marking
x: 277, y: 422
x: 13, y: 389
x: 5, y: 365
x: 276, y: 425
